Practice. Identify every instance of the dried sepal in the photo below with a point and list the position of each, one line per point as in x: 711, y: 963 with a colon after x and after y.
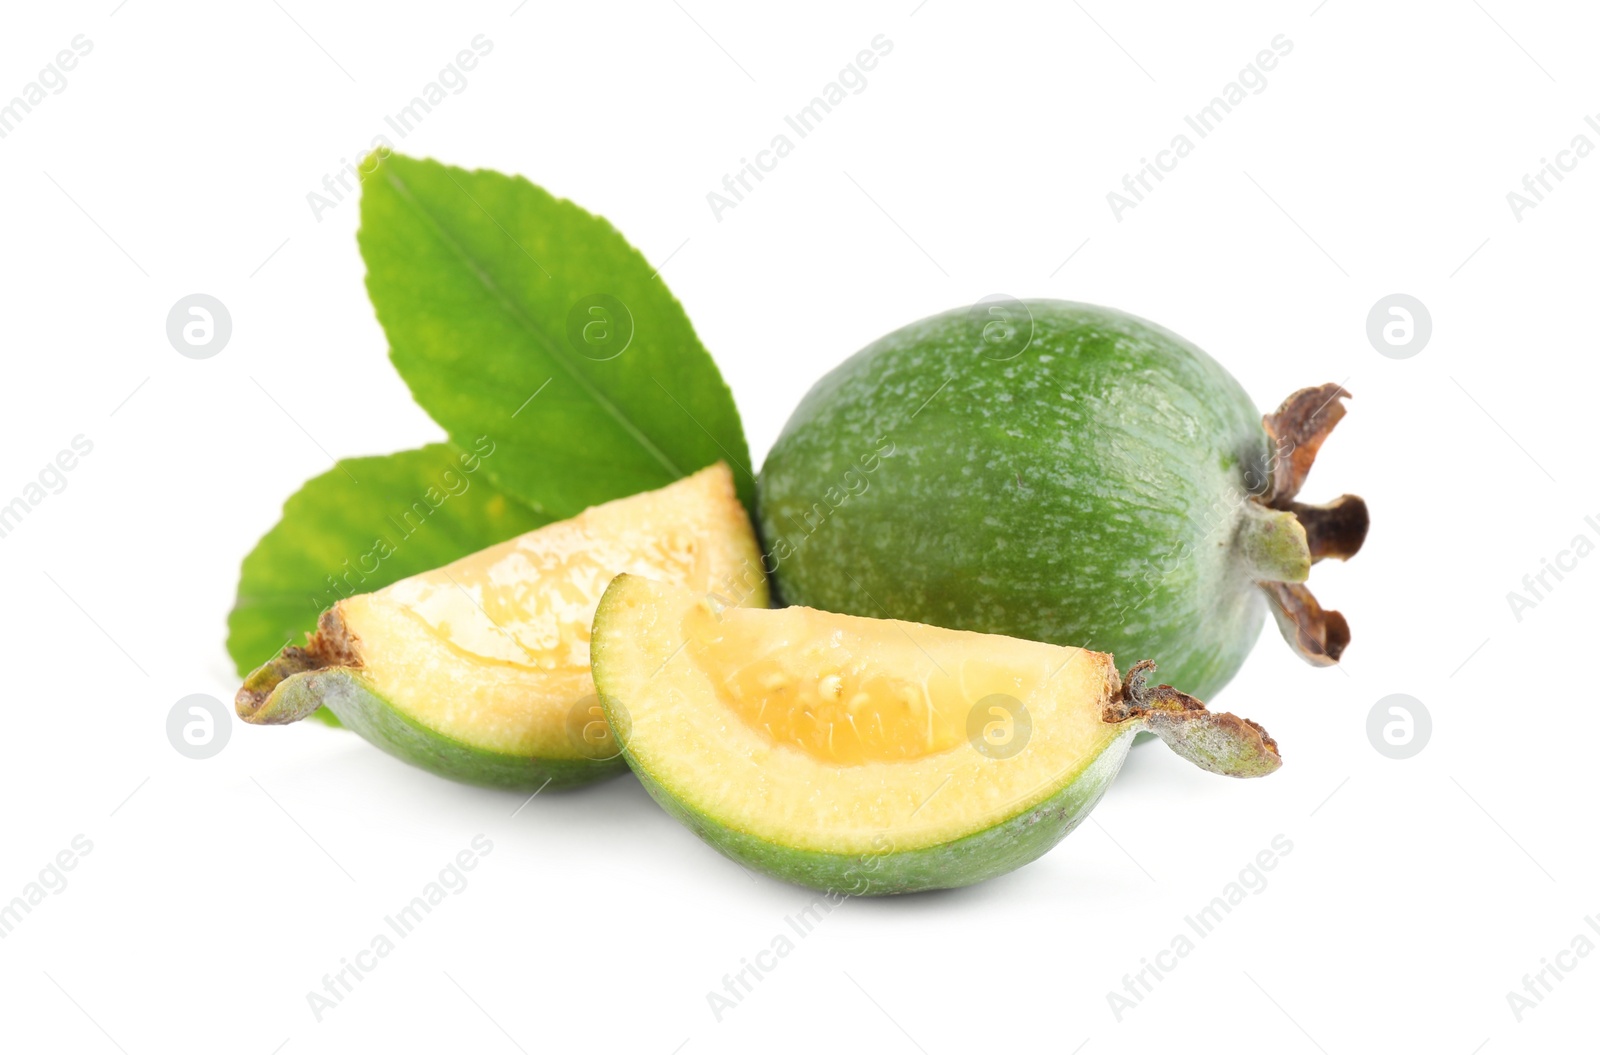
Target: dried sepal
x: 263, y: 699
x: 1318, y: 634
x: 1216, y: 742
x: 1296, y: 431
x: 1335, y: 529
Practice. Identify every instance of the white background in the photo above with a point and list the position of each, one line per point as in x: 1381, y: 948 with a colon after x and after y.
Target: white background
x: 977, y: 160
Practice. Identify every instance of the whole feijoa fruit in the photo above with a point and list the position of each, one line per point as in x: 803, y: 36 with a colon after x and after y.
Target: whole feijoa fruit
x: 1060, y: 472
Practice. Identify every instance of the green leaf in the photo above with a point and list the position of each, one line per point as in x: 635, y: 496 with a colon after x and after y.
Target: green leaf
x: 362, y: 525
x: 519, y: 315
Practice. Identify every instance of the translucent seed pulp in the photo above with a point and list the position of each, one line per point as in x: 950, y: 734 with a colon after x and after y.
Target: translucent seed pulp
x: 848, y: 697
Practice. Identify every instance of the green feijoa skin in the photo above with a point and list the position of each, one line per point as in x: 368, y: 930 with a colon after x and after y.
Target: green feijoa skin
x: 1060, y: 472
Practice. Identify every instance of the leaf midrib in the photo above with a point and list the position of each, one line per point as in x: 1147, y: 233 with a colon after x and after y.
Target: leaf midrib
x: 552, y: 349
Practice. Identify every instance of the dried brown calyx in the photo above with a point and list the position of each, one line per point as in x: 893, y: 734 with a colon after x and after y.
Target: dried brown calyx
x: 1282, y: 538
x: 1218, y: 743
x: 331, y: 645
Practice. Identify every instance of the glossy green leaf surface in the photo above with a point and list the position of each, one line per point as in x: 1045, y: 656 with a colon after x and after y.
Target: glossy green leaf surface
x: 362, y: 525
x: 518, y: 315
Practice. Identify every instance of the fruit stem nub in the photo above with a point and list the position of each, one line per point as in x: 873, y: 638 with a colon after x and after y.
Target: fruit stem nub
x: 1273, y: 543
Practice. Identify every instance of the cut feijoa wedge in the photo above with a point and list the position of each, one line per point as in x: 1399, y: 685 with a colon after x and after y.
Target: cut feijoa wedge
x: 479, y: 670
x: 875, y: 756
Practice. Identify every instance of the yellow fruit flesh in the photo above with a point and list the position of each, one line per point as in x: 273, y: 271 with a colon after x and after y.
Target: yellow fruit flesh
x: 829, y: 693
x: 493, y: 650
x: 836, y: 733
